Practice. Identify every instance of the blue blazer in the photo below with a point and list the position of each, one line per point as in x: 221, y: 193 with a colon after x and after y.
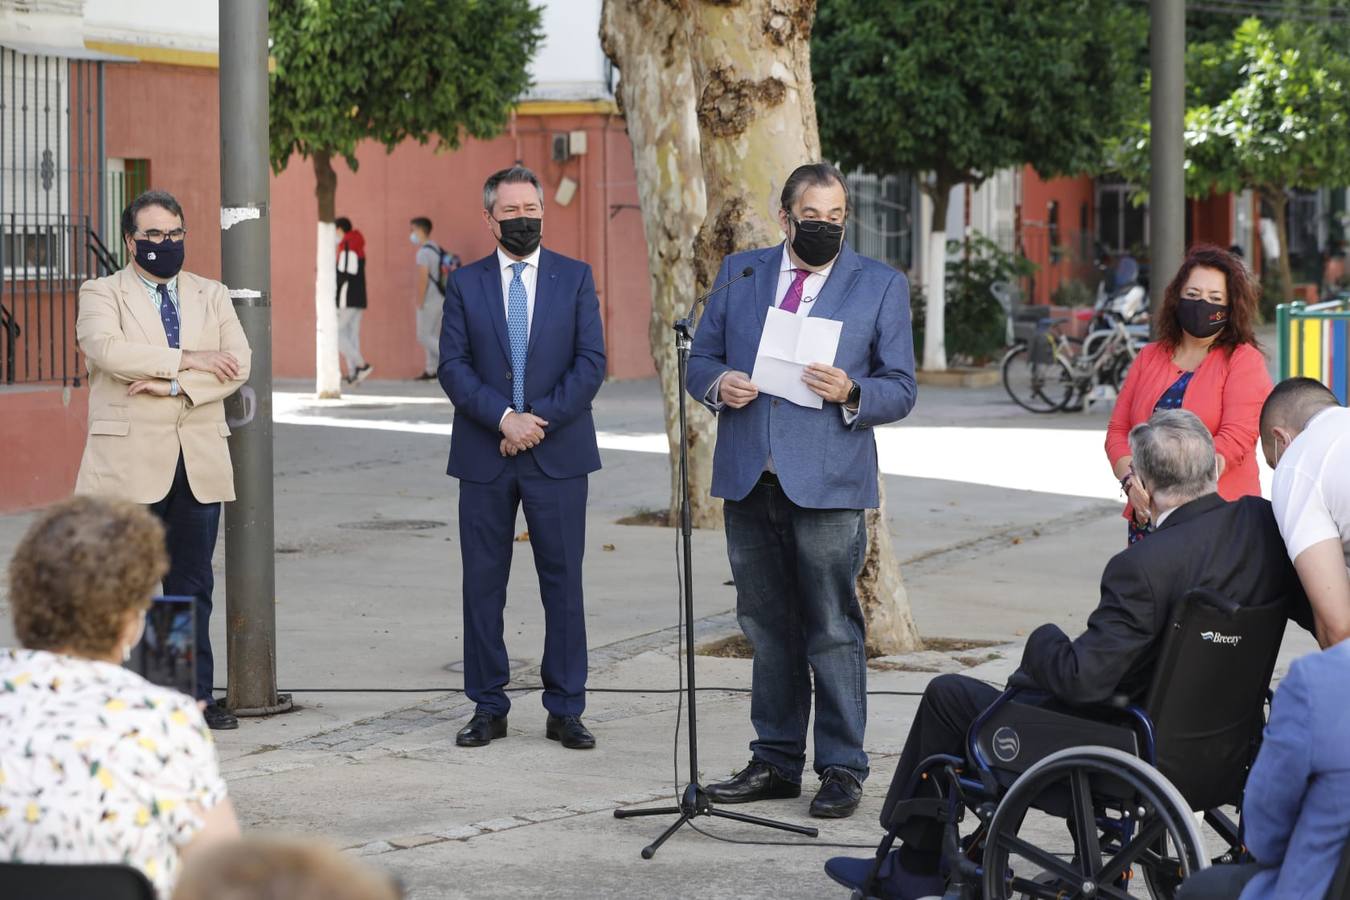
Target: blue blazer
x: 1294, y: 812
x: 564, y: 367
x: 821, y: 462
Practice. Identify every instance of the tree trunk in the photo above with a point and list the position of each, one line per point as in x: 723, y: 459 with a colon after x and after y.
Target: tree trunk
x: 327, y: 372
x: 881, y: 590
x: 1278, y: 199
x: 935, y: 280
x: 757, y: 122
x: 647, y: 42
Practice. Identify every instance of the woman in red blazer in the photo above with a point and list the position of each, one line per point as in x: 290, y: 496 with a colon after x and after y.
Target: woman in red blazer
x: 1206, y: 360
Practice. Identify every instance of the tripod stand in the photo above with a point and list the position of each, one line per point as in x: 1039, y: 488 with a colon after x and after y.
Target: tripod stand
x: 694, y: 802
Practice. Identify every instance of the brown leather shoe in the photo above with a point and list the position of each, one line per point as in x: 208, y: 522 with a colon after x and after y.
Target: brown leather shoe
x: 757, y: 781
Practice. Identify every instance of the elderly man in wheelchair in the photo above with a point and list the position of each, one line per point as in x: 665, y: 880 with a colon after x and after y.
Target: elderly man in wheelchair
x: 1154, y: 712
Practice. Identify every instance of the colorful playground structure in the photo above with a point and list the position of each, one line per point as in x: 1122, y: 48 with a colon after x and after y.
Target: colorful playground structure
x: 1314, y: 341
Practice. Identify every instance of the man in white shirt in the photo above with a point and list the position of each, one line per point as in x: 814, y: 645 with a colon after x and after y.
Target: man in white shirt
x: 1305, y: 434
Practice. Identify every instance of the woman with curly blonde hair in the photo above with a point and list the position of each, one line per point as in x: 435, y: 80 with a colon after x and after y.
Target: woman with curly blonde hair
x: 97, y: 765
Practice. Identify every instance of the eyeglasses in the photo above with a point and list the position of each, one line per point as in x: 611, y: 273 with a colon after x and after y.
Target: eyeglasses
x: 155, y: 236
x: 818, y: 226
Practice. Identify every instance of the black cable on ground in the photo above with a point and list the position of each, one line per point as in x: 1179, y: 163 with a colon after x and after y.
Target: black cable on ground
x: 539, y: 687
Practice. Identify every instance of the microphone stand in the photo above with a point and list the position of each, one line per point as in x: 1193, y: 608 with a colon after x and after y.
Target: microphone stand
x: 694, y: 802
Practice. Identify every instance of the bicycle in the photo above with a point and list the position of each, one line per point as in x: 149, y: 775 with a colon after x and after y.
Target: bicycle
x: 1046, y: 370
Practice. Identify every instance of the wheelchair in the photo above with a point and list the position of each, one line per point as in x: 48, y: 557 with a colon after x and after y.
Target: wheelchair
x: 1125, y: 778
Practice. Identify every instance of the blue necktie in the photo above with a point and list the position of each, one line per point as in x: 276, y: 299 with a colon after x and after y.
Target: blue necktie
x: 518, y: 328
x: 168, y: 313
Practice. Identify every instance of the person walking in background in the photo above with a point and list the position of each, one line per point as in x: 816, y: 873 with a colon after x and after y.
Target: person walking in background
x: 428, y: 295
x: 1206, y: 360
x: 522, y: 356
x: 351, y: 298
x: 157, y: 408
x: 98, y: 765
x: 797, y: 480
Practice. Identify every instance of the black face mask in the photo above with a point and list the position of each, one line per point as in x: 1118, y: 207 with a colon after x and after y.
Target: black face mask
x: 1200, y: 318
x: 162, y: 260
x: 521, y: 235
x: 816, y: 242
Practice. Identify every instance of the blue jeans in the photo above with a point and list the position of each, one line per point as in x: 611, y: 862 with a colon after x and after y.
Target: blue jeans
x: 190, y: 529
x: 795, y: 572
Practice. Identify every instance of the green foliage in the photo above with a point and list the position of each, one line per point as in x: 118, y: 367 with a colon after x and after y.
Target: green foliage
x: 1268, y: 109
x: 1072, y: 292
x: 975, y: 323
x: 963, y: 88
x: 1286, y: 123
x: 348, y: 70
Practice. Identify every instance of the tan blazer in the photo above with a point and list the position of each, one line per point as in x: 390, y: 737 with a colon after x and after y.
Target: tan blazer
x: 133, y: 445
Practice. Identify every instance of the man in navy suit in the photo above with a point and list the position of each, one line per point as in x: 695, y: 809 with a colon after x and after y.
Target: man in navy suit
x: 522, y: 357
x: 796, y: 481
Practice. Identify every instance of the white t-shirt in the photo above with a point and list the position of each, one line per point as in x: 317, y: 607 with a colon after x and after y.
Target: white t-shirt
x: 98, y: 765
x: 1311, y: 488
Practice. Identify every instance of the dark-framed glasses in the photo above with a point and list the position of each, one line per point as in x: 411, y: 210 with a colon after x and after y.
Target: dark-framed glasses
x: 155, y: 236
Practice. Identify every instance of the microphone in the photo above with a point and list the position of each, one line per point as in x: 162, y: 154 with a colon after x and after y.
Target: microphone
x: 745, y: 273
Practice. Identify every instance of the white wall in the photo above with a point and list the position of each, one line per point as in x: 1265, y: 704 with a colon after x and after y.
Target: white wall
x: 178, y: 25
x: 569, y: 64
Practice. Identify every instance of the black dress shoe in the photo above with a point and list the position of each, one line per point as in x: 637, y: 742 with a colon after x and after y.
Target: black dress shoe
x: 218, y: 718
x: 482, y: 730
x: 757, y: 781
x: 569, y: 731
x: 838, y: 796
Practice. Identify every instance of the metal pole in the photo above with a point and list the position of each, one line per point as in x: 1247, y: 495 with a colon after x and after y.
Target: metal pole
x: 250, y: 574
x: 1167, y: 109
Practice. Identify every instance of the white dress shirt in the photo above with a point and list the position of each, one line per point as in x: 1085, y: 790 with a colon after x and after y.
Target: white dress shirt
x: 529, y: 276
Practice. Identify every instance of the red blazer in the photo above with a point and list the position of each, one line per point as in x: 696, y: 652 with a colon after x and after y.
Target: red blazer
x: 1226, y: 392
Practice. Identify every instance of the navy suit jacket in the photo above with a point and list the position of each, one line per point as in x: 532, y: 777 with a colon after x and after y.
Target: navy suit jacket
x: 821, y: 462
x: 564, y: 367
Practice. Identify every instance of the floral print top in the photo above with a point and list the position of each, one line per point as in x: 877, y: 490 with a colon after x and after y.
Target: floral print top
x: 97, y: 765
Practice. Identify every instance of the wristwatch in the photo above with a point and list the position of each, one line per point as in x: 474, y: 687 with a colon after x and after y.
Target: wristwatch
x: 854, y: 394
x: 173, y: 387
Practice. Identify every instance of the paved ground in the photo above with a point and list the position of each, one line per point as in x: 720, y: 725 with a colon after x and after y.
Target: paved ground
x: 369, y: 642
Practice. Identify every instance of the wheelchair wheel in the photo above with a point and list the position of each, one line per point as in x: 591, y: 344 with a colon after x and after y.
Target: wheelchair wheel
x: 1121, y: 813
x: 1042, y: 387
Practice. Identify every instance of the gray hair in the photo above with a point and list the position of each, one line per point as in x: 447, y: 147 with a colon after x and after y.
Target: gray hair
x: 1174, y: 455
x: 513, y: 175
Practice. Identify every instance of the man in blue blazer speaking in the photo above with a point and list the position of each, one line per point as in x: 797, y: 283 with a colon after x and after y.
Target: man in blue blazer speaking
x: 522, y: 357
x: 796, y: 481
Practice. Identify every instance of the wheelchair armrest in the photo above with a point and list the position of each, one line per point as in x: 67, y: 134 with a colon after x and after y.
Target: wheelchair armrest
x: 1213, y: 599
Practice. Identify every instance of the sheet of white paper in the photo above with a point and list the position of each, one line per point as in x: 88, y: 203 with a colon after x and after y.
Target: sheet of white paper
x: 789, y: 342
x: 784, y: 379
x: 819, y: 341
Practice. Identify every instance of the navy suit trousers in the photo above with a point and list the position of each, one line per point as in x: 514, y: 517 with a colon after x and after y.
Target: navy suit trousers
x: 190, y: 529
x: 555, y: 514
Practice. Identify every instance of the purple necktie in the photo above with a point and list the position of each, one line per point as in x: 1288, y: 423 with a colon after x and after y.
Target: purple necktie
x: 793, y: 298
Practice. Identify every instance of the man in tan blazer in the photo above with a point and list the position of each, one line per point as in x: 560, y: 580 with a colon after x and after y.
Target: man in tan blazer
x: 164, y: 350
